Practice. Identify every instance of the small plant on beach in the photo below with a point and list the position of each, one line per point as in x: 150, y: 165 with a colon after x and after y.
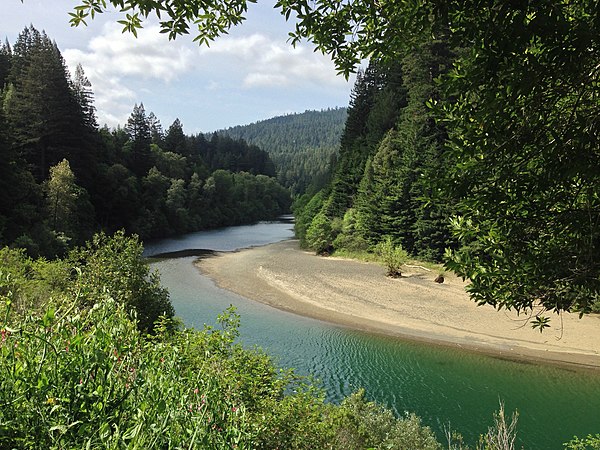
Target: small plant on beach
x: 394, y: 256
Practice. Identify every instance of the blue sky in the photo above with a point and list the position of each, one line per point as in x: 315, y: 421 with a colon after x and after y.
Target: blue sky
x: 251, y: 74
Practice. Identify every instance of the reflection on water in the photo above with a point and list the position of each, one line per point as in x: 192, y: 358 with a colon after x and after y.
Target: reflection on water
x: 441, y: 385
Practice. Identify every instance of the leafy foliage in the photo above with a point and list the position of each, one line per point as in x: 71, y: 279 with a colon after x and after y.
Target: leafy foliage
x: 79, y: 373
x: 114, y: 266
x: 212, y: 18
x: 588, y: 443
x: 526, y: 175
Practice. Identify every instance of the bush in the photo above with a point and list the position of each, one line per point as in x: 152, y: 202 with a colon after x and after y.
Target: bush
x: 114, y: 264
x: 366, y: 424
x: 31, y: 282
x: 393, y: 256
x: 87, y: 378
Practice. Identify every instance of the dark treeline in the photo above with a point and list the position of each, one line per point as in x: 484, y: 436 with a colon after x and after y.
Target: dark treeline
x: 302, y: 145
x: 62, y: 178
x: 390, y: 147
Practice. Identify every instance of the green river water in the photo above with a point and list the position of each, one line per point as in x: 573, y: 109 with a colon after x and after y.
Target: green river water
x: 446, y: 387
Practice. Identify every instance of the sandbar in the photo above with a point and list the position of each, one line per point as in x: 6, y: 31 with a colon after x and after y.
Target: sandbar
x: 359, y: 295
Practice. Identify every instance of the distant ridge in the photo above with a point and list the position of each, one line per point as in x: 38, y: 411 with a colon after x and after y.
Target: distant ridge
x: 301, y: 145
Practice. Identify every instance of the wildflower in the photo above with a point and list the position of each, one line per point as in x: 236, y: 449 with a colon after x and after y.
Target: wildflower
x: 196, y: 391
x: 51, y: 401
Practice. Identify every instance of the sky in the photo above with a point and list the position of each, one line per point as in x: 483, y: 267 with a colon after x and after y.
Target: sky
x: 248, y: 75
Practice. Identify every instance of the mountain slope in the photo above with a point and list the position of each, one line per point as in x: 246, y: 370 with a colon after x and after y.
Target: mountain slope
x: 301, y: 145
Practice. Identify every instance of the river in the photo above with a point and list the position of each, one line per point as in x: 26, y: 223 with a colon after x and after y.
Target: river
x: 445, y: 387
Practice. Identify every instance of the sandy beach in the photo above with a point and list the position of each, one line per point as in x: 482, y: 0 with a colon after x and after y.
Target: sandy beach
x: 360, y: 296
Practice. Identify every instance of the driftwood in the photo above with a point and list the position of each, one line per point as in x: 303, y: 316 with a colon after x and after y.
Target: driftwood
x: 418, y: 267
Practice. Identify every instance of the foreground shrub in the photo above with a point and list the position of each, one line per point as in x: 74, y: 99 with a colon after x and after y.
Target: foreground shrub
x: 78, y: 377
x: 114, y: 265
x: 364, y: 424
x: 590, y: 442
x: 31, y: 282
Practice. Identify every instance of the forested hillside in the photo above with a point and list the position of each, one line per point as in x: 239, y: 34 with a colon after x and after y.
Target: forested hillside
x: 62, y: 178
x: 389, y: 150
x: 301, y: 145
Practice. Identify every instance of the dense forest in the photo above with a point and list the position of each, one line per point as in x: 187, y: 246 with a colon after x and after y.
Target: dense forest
x: 303, y: 146
x: 64, y: 178
x: 389, y: 150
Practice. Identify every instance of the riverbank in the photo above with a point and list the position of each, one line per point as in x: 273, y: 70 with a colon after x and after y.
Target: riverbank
x: 359, y: 295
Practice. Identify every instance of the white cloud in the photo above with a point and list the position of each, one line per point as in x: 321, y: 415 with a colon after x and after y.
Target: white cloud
x: 256, y: 79
x: 264, y: 63
x: 150, y: 55
x: 112, y: 57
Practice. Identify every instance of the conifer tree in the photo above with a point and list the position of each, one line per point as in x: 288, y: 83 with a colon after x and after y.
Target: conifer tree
x: 5, y: 61
x: 138, y: 130
x: 391, y: 206
x: 156, y: 130
x: 82, y: 89
x: 46, y: 120
x: 424, y: 143
x: 175, y: 140
x: 20, y: 196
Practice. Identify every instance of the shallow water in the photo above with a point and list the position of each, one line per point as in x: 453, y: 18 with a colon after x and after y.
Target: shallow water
x: 443, y: 386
